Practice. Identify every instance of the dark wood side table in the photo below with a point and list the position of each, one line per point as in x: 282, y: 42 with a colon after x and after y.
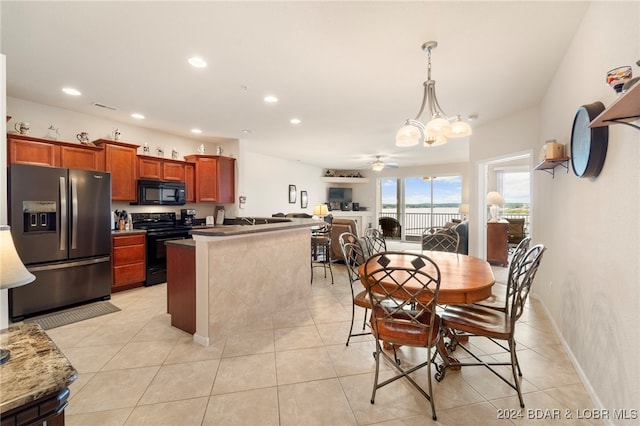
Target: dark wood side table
x: 35, y: 379
x: 497, y: 243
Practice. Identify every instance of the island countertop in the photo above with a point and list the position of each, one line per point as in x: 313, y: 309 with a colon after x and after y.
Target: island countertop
x: 233, y: 230
x: 36, y: 367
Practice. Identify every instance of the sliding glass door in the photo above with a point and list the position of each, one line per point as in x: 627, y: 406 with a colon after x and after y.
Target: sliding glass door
x: 421, y: 202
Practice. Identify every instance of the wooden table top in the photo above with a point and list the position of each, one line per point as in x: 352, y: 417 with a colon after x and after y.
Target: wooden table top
x: 464, y: 279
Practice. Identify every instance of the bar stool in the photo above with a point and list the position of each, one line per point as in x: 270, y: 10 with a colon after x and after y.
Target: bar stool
x: 321, y: 249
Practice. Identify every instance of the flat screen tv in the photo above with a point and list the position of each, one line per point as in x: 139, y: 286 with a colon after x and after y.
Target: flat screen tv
x: 340, y: 195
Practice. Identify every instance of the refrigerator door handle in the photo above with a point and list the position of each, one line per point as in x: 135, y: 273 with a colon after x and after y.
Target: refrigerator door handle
x: 74, y: 213
x: 63, y: 214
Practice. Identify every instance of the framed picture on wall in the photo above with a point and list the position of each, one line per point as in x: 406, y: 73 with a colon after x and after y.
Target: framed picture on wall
x: 292, y: 194
x: 303, y: 199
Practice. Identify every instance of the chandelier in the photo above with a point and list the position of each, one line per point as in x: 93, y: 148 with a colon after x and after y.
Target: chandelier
x: 440, y: 127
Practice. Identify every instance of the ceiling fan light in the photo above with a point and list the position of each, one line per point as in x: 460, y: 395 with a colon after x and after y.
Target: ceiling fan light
x: 377, y: 166
x: 409, y: 135
x: 460, y: 129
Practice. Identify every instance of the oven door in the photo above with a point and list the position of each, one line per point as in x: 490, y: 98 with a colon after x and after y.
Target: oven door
x: 157, y: 254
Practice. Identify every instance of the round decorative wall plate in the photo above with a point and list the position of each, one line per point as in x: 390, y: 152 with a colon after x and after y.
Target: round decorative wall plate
x: 588, y: 145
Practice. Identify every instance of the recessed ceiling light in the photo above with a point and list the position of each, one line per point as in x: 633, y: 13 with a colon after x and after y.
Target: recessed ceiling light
x: 198, y: 131
x: 270, y: 99
x: 198, y: 62
x: 71, y: 91
x: 295, y: 121
x: 247, y: 131
x: 137, y: 116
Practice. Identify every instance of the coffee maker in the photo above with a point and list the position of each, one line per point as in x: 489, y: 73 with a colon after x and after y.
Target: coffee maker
x: 187, y: 216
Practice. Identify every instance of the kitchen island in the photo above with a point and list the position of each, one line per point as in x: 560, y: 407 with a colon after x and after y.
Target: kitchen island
x: 245, y: 274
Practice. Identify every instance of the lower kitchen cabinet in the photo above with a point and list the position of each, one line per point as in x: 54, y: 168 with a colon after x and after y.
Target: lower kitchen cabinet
x: 128, y: 261
x: 497, y: 242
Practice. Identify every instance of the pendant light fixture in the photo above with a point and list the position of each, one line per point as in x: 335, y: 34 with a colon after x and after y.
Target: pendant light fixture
x: 439, y: 128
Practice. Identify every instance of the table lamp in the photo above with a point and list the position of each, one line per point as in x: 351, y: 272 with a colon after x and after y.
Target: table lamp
x: 12, y: 271
x: 463, y: 210
x: 320, y: 210
x: 495, y: 200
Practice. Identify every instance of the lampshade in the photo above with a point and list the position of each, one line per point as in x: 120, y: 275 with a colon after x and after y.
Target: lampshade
x: 464, y: 208
x: 410, y: 134
x: 320, y: 210
x: 460, y: 129
x: 12, y: 271
x: 495, y: 198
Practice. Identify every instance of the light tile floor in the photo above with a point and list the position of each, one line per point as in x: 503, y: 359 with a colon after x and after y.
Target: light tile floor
x: 135, y: 369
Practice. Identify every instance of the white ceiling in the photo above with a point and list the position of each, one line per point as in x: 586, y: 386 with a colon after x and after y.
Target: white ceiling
x: 351, y: 71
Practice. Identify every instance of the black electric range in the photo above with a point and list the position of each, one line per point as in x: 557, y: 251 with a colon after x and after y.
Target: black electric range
x: 160, y: 227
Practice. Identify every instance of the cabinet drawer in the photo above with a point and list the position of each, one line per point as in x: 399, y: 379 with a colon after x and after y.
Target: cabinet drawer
x: 128, y: 274
x: 128, y: 254
x: 128, y: 240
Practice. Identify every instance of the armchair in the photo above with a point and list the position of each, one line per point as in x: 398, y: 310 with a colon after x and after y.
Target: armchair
x: 391, y: 228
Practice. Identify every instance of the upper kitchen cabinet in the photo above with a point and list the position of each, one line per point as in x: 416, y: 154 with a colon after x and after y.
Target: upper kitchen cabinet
x: 120, y: 159
x: 160, y: 169
x: 24, y: 149
x: 215, y: 178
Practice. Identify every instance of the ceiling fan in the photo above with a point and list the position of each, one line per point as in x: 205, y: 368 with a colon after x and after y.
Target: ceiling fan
x: 378, y: 164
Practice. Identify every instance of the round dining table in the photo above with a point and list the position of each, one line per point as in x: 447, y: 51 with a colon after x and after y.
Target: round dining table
x: 463, y: 279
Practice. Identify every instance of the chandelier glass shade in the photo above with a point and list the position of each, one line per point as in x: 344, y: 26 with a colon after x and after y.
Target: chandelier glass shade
x: 439, y: 127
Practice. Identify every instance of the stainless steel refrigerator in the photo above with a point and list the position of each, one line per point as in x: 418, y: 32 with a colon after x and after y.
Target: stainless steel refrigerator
x: 61, y: 225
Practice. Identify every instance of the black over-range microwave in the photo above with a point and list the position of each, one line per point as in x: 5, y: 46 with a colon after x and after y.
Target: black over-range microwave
x: 155, y: 192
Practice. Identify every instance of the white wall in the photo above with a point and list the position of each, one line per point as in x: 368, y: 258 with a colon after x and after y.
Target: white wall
x: 589, y: 281
x: 266, y: 183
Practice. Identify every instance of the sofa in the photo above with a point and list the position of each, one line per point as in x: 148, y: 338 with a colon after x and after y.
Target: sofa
x: 340, y: 226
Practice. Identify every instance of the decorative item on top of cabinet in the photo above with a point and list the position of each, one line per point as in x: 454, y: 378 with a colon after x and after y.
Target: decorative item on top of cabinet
x: 121, y: 160
x: 214, y: 178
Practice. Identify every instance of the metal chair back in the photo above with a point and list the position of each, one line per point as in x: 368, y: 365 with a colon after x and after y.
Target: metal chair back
x: 375, y: 241
x: 440, y: 239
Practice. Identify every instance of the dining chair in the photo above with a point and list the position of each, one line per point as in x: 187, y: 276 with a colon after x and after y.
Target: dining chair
x: 496, y: 325
x: 375, y: 241
x: 321, y: 249
x: 496, y: 301
x: 403, y: 291
x: 354, y: 256
x: 440, y: 239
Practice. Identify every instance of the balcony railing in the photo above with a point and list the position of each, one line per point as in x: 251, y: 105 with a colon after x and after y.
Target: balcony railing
x: 414, y: 223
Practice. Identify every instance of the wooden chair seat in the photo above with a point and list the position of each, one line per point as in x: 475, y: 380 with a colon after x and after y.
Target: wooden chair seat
x: 404, y: 333
x: 478, y: 320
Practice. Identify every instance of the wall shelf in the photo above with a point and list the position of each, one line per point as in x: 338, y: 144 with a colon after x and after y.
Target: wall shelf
x: 344, y: 179
x: 549, y: 166
x: 624, y: 110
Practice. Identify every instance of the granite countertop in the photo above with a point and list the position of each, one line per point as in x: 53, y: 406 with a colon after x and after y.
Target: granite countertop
x: 36, y: 367
x: 232, y: 230
x: 128, y: 231
x: 187, y: 243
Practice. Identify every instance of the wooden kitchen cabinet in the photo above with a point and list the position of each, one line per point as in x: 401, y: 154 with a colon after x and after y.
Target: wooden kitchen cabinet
x: 173, y: 170
x: 34, y: 151
x: 128, y: 260
x: 497, y: 242
x: 190, y: 182
x: 160, y: 169
x: 181, y: 284
x: 81, y: 157
x: 23, y: 149
x: 215, y: 178
x: 121, y: 160
x: 149, y: 168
